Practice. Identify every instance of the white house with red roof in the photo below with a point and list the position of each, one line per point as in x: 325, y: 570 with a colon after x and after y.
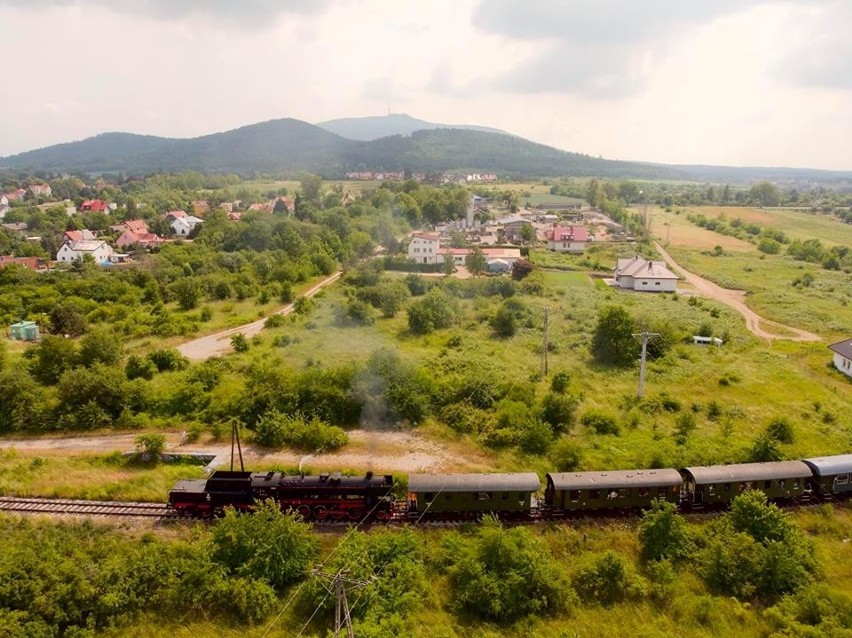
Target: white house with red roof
x: 16, y: 195
x: 644, y: 275
x: 183, y: 225
x: 843, y: 356
x: 567, y: 239
x: 425, y: 248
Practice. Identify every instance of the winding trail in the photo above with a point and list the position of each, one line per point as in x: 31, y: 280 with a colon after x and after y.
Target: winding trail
x: 220, y: 342
x: 736, y: 300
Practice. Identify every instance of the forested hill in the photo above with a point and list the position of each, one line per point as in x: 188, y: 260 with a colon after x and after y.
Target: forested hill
x: 287, y: 146
x: 366, y: 129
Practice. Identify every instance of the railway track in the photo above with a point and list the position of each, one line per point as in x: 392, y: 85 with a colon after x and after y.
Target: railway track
x: 89, y: 508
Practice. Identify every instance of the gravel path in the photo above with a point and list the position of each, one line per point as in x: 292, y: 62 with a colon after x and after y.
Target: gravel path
x: 220, y: 342
x: 736, y: 300
x: 367, y: 449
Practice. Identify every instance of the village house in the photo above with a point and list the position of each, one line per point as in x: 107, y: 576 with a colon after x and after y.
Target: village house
x: 567, y: 239
x: 78, y: 235
x: 181, y: 223
x: 145, y: 240
x: 843, y: 356
x: 94, y: 205
x: 16, y: 195
x: 424, y: 248
x: 138, y: 226
x: 71, y: 251
x: 644, y: 275
x: 30, y: 263
x: 40, y: 190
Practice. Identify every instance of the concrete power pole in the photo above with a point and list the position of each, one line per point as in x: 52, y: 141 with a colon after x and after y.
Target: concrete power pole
x: 544, y: 344
x: 646, y: 337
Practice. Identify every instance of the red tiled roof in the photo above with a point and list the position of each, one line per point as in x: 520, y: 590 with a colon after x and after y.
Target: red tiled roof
x: 568, y: 233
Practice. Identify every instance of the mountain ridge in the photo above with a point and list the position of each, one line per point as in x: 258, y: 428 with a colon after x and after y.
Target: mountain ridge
x: 370, y: 128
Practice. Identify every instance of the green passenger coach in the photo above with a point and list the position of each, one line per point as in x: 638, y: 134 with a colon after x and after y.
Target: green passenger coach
x: 475, y: 494
x: 620, y: 489
x: 720, y: 484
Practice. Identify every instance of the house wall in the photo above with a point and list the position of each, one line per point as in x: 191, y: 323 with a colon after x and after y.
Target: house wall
x: 566, y: 246
x: 424, y: 251
x: 843, y: 364
x: 654, y: 285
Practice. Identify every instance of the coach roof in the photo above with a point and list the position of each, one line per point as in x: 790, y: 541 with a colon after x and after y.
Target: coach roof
x: 521, y: 482
x: 748, y: 472
x: 615, y: 479
x: 830, y: 465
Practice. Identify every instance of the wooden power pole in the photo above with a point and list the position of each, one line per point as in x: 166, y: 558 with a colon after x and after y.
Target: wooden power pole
x: 544, y: 344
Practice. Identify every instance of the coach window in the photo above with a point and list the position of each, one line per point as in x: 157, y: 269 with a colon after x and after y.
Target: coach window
x: 448, y: 497
x: 644, y: 491
x: 795, y: 484
x: 767, y: 485
x: 623, y: 492
x: 712, y: 490
x: 594, y: 494
x: 574, y: 495
x: 483, y: 496
x: 505, y: 496
x: 430, y: 497
x: 843, y: 479
x: 749, y: 485
x: 782, y: 483
x: 727, y: 487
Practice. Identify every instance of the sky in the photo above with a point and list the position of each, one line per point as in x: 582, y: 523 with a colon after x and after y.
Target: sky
x: 732, y: 82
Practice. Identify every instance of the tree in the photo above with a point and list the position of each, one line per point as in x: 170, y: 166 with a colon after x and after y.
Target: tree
x: 512, y: 314
x: 607, y: 579
x: 188, y: 291
x: 766, y: 193
x: 268, y: 544
x: 521, y: 268
x: 436, y: 310
x: 50, y: 358
x: 662, y: 533
x: 476, y: 262
x: 311, y: 188
x: 100, y: 346
x: 67, y: 319
x: 613, y: 342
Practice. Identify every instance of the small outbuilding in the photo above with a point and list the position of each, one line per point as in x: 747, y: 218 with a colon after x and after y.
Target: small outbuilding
x: 24, y: 331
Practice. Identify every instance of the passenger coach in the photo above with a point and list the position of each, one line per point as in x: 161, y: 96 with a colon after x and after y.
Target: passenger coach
x: 621, y: 489
x: 719, y: 484
x: 471, y: 495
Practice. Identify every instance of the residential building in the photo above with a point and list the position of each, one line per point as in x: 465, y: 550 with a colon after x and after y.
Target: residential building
x: 94, y: 205
x: 424, y: 248
x: 40, y: 190
x: 30, y: 263
x: 70, y: 251
x: 843, y: 356
x: 16, y: 195
x: 78, y: 235
x: 183, y: 226
x: 567, y: 239
x: 145, y: 240
x: 137, y: 226
x: 644, y: 275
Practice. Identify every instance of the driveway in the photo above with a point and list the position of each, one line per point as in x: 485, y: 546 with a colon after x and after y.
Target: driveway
x: 736, y: 300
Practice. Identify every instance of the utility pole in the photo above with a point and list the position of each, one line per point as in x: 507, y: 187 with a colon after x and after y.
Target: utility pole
x: 646, y: 337
x: 544, y: 344
x: 336, y: 586
x: 235, y: 437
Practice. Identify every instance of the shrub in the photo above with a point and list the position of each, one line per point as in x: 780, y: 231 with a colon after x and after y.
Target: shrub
x: 168, y: 360
x: 780, y: 429
x: 150, y: 446
x: 765, y: 449
x: 684, y: 425
x: 560, y: 382
x: 358, y: 313
x: 503, y: 575
x: 275, y: 321
x: 436, y: 310
x: 566, y: 455
x: 600, y: 422
x: 607, y: 579
x: 559, y: 410
x: 274, y: 430
x: 267, y: 544
x: 239, y: 342
x: 511, y: 315
x: 139, y: 368
x: 662, y: 533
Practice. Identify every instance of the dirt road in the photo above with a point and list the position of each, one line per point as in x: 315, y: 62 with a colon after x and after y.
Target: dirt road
x: 367, y: 450
x: 220, y: 342
x: 736, y: 300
